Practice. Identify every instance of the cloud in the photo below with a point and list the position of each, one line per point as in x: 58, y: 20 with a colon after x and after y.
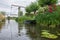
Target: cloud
x: 6, y: 4
x: 23, y: 2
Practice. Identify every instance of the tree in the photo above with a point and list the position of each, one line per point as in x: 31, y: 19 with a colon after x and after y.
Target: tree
x: 34, y: 6
x: 2, y: 16
x: 2, y: 12
x: 47, y: 2
x: 20, y: 13
x: 28, y: 10
x: 51, y: 4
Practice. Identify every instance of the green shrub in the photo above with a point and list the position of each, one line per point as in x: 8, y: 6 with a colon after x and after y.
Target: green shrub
x: 58, y: 8
x: 53, y: 18
x: 23, y: 18
x: 31, y: 14
x: 43, y: 9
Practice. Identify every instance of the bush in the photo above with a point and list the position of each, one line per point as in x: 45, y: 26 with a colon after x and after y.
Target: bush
x: 43, y: 9
x: 58, y: 8
x: 29, y: 14
x: 47, y: 18
x: 23, y: 18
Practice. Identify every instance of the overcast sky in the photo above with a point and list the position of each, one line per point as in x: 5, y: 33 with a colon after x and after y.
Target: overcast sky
x: 6, y: 4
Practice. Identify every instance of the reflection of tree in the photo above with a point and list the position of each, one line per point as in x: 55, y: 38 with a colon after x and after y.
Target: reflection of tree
x: 1, y: 25
x: 33, y: 32
x: 19, y: 28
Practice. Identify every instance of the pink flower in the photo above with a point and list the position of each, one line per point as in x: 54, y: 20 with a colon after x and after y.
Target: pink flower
x: 50, y: 8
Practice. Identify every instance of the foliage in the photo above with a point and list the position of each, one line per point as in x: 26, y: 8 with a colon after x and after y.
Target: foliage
x: 47, y: 18
x: 58, y: 8
x: 46, y: 34
x: 21, y: 13
x: 43, y: 9
x: 46, y: 2
x: 23, y: 18
x: 28, y: 10
x: 2, y: 17
x: 27, y: 14
x: 31, y: 15
x: 2, y: 12
x: 32, y: 7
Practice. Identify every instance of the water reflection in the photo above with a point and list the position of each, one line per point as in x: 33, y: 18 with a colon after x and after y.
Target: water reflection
x: 34, y: 31
x: 22, y: 32
x: 1, y: 25
x: 17, y: 31
x: 29, y: 31
x: 19, y: 28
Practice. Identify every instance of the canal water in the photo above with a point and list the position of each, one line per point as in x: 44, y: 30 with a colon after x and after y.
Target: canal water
x: 14, y: 31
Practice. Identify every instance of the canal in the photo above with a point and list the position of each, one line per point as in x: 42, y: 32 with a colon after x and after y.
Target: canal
x: 14, y: 31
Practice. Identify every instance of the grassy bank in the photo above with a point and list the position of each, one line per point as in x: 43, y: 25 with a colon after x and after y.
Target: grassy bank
x: 23, y: 18
x: 49, y: 18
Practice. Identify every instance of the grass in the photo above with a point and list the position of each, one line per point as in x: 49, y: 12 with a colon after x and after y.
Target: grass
x: 47, y: 18
x: 23, y: 18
